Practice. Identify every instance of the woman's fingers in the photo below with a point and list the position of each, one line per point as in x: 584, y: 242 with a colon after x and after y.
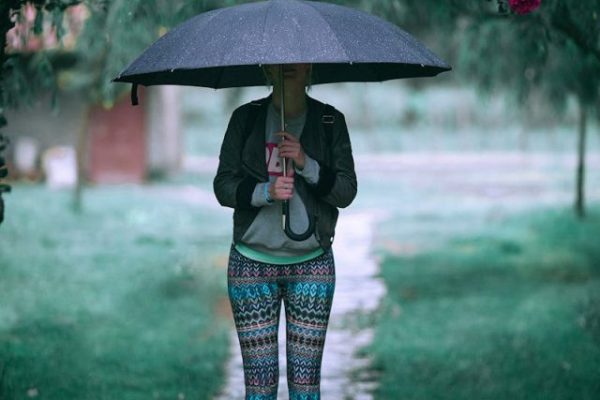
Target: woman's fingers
x: 282, y: 188
x: 288, y: 137
x: 285, y: 185
x: 291, y: 148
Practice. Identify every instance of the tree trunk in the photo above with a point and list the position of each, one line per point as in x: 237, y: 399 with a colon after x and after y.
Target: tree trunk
x: 81, y: 153
x: 580, y: 179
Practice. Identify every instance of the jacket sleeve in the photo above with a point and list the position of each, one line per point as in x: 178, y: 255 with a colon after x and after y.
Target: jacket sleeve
x: 337, y: 181
x: 233, y: 187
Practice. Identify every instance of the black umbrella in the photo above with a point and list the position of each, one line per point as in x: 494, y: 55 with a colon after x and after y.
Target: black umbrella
x: 227, y: 47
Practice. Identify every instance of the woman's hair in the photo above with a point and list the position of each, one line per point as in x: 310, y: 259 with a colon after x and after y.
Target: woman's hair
x: 269, y: 79
x: 267, y: 75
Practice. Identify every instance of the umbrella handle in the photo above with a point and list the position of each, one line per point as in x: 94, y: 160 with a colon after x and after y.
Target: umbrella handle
x: 285, y: 206
x: 298, y: 237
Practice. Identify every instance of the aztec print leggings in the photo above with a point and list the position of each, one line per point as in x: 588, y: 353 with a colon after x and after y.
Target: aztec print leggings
x: 255, y: 292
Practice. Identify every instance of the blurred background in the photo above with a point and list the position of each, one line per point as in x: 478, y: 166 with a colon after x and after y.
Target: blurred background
x: 468, y: 265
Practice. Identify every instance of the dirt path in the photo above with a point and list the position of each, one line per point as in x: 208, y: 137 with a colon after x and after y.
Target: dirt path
x: 344, y: 376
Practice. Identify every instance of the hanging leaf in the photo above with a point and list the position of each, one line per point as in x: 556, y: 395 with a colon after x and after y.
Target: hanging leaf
x: 38, y: 24
x: 3, y: 142
x: 3, y: 168
x: 43, y: 71
x: 50, y: 6
x: 54, y: 100
x: 1, y: 209
x: 57, y: 22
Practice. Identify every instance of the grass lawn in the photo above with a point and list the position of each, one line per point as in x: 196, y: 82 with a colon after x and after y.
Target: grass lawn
x: 512, y: 312
x: 119, y: 302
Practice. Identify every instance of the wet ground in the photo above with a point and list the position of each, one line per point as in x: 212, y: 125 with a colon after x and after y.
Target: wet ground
x: 415, y: 188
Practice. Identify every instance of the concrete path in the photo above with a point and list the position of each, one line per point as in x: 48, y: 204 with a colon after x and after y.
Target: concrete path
x: 344, y: 374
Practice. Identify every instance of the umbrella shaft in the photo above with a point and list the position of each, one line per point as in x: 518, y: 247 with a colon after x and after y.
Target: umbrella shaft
x: 282, y: 111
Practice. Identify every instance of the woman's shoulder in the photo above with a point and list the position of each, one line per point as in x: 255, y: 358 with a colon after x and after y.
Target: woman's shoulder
x: 324, y: 108
x: 254, y: 103
x: 245, y: 109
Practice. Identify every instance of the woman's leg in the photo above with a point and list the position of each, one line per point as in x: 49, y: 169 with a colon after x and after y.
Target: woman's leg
x: 308, y: 296
x: 256, y: 302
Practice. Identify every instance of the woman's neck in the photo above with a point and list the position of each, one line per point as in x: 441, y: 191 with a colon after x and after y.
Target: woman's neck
x: 295, y: 101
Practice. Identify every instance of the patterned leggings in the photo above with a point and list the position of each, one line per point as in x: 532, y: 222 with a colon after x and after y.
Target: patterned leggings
x: 255, y: 292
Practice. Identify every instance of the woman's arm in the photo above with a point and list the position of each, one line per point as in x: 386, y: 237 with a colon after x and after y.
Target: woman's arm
x: 337, y: 182
x: 233, y: 187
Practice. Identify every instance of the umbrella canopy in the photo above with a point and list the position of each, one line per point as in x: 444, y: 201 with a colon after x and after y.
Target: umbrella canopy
x: 226, y: 47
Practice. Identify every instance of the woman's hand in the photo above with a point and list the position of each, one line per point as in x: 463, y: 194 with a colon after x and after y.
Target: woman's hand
x: 291, y: 148
x: 282, y: 188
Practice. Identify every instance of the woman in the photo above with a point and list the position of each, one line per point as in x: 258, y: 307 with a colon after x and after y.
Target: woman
x: 265, y: 265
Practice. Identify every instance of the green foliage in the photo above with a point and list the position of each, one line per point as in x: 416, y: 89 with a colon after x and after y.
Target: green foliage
x: 115, y: 32
x: 118, y: 303
x: 22, y: 77
x: 554, y: 50
x: 35, y: 67
x: 118, y: 31
x: 495, y: 316
x: 518, y: 64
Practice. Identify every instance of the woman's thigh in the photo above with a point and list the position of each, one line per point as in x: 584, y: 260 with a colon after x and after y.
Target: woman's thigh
x: 308, y: 299
x: 255, y: 301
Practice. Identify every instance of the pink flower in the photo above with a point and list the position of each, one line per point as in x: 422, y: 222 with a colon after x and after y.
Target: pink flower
x: 524, y: 6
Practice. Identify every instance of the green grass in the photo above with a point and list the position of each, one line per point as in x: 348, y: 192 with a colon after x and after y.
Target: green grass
x: 118, y: 302
x: 511, y: 313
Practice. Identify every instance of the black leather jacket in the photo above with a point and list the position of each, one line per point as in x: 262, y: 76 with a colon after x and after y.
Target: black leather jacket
x: 242, y: 165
